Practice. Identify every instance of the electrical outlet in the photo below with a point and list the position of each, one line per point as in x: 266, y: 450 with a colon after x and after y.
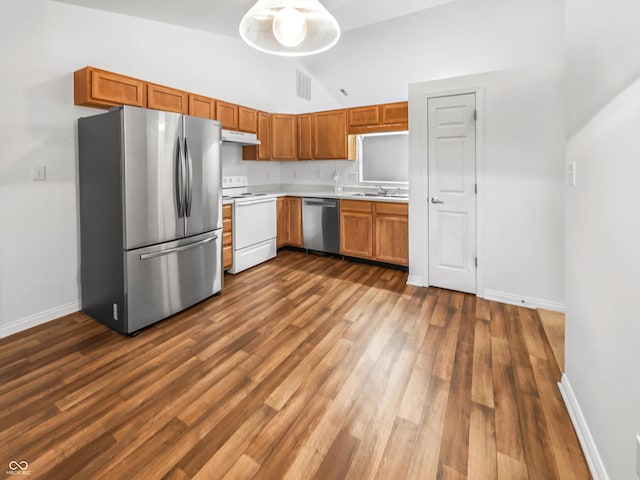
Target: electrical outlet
x: 353, y: 176
x: 39, y: 173
x: 638, y: 455
x: 318, y: 172
x: 266, y: 175
x: 295, y: 175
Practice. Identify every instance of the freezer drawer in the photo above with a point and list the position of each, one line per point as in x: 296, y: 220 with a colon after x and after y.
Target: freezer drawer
x: 164, y: 279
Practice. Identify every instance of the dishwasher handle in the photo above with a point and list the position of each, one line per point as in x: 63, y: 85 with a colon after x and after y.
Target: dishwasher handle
x: 321, y: 203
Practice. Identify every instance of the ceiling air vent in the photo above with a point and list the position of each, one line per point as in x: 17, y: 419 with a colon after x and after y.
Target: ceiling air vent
x: 303, y: 85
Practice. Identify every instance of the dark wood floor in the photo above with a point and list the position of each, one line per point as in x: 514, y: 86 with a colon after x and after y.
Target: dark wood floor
x: 305, y: 367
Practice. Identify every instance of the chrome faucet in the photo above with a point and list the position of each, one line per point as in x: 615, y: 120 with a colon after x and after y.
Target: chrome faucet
x: 384, y: 191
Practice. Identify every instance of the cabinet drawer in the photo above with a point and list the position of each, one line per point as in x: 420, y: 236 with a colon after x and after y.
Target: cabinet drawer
x: 356, y: 205
x: 391, y: 208
x: 226, y: 224
x: 227, y: 237
x: 226, y: 211
x: 227, y: 257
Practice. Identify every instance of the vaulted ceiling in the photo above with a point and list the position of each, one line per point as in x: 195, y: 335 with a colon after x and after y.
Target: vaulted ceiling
x: 223, y: 16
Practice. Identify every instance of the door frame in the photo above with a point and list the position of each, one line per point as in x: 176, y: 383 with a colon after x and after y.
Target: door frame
x: 419, y: 183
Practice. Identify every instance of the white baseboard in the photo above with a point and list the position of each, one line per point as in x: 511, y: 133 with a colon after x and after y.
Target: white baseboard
x: 528, y: 302
x: 37, y: 319
x: 598, y: 472
x: 416, y: 281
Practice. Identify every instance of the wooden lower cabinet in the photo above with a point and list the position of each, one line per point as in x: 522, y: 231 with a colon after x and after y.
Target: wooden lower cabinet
x: 375, y: 231
x: 289, y: 215
x: 391, y: 227
x: 227, y: 237
x: 356, y: 228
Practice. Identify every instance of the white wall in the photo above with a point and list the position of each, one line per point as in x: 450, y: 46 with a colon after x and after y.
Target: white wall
x: 375, y: 64
x: 520, y: 173
x: 603, y: 228
x: 43, y: 42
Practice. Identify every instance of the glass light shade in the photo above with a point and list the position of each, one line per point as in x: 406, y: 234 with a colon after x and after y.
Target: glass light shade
x: 289, y: 27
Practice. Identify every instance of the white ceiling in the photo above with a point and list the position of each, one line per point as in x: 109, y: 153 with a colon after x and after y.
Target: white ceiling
x: 223, y: 16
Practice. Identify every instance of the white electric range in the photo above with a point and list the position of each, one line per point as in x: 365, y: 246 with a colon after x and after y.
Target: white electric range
x: 254, y: 223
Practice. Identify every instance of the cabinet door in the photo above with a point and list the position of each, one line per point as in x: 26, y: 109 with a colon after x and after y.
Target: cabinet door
x: 329, y: 130
x: 295, y: 222
x: 305, y: 147
x: 356, y: 237
x: 101, y: 89
x: 227, y: 113
x: 364, y: 116
x: 247, y: 120
x: 204, y: 107
x: 395, y: 113
x: 392, y: 239
x: 283, y: 137
x: 282, y: 214
x: 167, y: 99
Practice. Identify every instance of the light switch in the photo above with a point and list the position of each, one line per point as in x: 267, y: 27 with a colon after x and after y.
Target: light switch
x: 39, y: 173
x: 572, y: 174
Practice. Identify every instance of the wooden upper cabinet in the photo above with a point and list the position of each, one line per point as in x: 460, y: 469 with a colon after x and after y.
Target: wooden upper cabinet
x: 168, y: 99
x: 364, y: 116
x: 305, y: 145
x: 200, y: 106
x: 247, y: 120
x: 388, y: 117
x: 262, y: 151
x: 97, y: 88
x: 329, y: 131
x: 227, y: 113
x: 283, y: 137
x: 395, y: 113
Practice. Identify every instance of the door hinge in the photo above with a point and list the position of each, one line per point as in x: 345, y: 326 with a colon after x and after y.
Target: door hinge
x: 475, y: 188
x: 476, y: 262
x: 475, y: 114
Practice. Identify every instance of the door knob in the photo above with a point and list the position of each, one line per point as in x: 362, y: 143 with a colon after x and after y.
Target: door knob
x: 435, y: 200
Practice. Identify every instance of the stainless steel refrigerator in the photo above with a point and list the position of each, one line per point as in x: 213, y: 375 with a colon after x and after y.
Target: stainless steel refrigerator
x: 150, y: 215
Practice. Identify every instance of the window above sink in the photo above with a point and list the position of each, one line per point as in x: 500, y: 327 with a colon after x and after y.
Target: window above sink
x: 383, y: 158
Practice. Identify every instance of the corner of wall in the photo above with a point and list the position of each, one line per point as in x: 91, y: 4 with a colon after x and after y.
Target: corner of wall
x: 596, y: 466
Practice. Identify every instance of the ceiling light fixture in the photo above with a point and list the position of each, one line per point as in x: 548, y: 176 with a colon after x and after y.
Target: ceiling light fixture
x: 290, y: 28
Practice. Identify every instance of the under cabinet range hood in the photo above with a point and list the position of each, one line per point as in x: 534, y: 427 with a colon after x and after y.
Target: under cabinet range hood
x: 240, y: 138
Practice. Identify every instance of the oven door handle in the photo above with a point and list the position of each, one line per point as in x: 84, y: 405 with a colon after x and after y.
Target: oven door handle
x: 254, y: 202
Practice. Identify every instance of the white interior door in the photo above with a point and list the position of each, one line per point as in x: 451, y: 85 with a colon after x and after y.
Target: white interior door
x: 452, y: 192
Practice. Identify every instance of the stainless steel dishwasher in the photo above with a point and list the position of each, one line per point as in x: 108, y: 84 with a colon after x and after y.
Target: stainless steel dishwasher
x: 321, y: 224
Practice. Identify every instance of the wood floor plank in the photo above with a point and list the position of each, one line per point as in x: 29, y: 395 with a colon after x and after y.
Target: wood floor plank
x: 304, y: 367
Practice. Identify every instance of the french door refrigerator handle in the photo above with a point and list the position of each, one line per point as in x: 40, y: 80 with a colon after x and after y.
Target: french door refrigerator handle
x: 179, y: 182
x: 146, y: 256
x: 189, y: 180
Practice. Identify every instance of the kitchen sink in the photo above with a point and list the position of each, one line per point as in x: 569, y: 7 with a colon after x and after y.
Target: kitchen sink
x: 380, y: 195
